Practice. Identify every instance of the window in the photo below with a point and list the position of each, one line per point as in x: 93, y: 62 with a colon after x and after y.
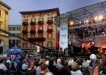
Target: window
x: 24, y: 44
x: 9, y: 29
x: 32, y: 45
x: 40, y: 35
x: 0, y: 13
x: 33, y: 20
x: 19, y: 28
x: 50, y: 27
x: 41, y: 19
x: 50, y: 13
x: 40, y: 43
x: 14, y: 42
x: 0, y: 24
x: 33, y: 36
x: 25, y: 28
x: 49, y: 35
x: 25, y: 36
x: 40, y: 27
x: 19, y: 34
x: 13, y: 28
x: 25, y: 20
x: 49, y: 44
x: 41, y: 14
x: 49, y: 18
x: 0, y: 41
x: 32, y: 28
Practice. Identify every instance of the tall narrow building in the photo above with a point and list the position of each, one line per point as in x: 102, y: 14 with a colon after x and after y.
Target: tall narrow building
x: 4, y: 40
x: 39, y: 27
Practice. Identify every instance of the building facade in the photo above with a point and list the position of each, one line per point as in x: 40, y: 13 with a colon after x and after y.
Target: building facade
x: 15, y: 30
x: 4, y: 26
x: 39, y: 27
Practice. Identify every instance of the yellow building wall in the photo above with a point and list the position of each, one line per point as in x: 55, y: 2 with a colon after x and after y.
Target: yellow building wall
x: 4, y: 26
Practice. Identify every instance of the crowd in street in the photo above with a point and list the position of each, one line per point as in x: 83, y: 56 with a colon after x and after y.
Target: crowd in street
x: 28, y: 65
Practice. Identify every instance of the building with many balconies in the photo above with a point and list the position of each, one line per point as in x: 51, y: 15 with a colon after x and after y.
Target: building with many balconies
x: 39, y: 27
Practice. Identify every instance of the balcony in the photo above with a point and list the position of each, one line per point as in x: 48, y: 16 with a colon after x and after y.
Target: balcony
x: 24, y: 31
x: 32, y: 31
x: 49, y: 22
x: 40, y: 23
x: 32, y: 23
x: 25, y: 23
x: 40, y: 31
x: 49, y: 31
x: 38, y: 39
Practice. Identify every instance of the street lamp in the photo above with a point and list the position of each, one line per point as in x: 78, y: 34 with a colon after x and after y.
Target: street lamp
x: 71, y: 23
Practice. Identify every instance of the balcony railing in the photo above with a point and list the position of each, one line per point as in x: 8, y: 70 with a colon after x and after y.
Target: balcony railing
x: 40, y: 31
x: 49, y: 31
x: 40, y: 23
x: 25, y: 23
x: 32, y: 31
x: 32, y: 23
x: 49, y: 22
x: 38, y: 39
x: 24, y: 31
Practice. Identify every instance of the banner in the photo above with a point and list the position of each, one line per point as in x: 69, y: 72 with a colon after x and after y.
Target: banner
x: 63, y: 37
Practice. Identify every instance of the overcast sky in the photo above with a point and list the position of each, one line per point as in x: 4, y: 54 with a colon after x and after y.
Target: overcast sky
x: 33, y: 5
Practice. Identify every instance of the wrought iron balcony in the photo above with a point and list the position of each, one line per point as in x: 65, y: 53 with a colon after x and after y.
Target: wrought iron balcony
x: 49, y: 31
x: 49, y: 22
x: 25, y: 23
x: 40, y: 31
x: 32, y: 31
x: 24, y: 31
x: 38, y: 39
x: 40, y: 23
x: 32, y: 23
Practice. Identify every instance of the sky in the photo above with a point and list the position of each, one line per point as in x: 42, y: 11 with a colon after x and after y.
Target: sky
x: 33, y: 5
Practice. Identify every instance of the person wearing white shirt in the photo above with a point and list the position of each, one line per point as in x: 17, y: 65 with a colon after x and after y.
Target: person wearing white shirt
x: 2, y: 66
x: 24, y: 66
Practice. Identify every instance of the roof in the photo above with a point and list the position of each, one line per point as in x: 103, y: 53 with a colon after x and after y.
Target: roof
x: 41, y: 11
x: 89, y: 9
x: 14, y: 25
x: 2, y: 3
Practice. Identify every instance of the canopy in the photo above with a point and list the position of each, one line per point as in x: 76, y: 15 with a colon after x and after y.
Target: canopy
x: 15, y: 49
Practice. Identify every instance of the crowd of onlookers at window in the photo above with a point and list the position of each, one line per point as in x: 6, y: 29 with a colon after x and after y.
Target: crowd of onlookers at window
x: 28, y: 65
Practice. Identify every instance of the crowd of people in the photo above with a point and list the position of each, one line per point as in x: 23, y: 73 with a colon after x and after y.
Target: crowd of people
x: 27, y: 64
